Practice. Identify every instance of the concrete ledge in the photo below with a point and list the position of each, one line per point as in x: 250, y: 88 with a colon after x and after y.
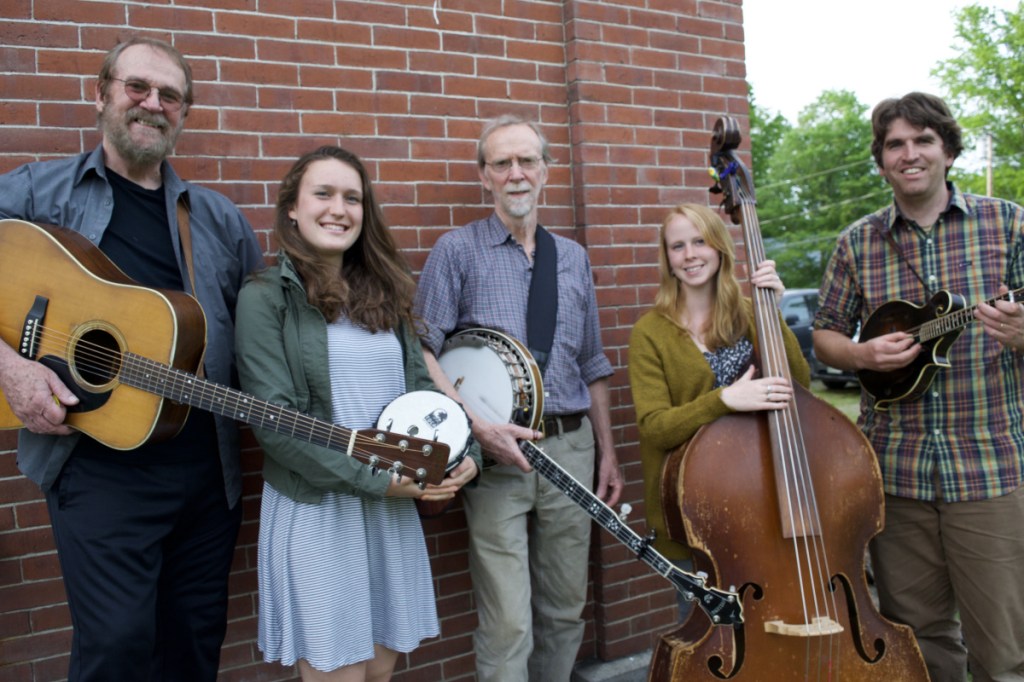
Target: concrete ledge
x: 626, y: 669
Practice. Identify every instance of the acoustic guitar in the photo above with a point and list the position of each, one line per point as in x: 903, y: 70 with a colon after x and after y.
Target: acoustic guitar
x: 935, y: 325
x: 130, y: 352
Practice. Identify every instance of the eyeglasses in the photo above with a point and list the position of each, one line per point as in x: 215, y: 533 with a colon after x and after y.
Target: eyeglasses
x: 138, y: 90
x: 526, y: 163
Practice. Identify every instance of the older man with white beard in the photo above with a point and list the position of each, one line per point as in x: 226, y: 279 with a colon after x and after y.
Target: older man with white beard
x: 145, y: 537
x: 528, y: 542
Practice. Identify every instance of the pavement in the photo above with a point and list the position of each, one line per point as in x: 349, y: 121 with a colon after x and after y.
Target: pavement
x: 626, y: 669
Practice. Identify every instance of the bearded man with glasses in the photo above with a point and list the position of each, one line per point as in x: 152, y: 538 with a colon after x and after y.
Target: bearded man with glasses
x: 145, y: 537
x: 528, y: 541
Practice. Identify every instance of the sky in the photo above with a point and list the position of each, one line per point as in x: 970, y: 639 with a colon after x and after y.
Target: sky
x: 796, y: 49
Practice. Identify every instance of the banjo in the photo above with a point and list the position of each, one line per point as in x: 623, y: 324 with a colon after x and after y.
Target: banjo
x: 499, y: 380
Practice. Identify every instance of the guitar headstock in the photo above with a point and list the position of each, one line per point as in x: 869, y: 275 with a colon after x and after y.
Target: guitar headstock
x: 424, y: 461
x: 723, y: 608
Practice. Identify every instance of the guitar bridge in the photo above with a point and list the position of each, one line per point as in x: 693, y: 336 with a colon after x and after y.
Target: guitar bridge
x: 29, y: 346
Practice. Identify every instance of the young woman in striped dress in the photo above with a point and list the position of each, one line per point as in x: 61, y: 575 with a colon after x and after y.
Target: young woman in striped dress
x: 344, y: 578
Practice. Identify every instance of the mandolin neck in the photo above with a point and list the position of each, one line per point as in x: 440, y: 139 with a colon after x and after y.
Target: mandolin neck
x: 958, y: 319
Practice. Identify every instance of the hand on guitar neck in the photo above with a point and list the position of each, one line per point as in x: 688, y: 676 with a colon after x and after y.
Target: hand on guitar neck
x: 1003, y: 319
x: 35, y: 394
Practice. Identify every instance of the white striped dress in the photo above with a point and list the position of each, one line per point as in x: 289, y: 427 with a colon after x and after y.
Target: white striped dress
x: 338, y: 577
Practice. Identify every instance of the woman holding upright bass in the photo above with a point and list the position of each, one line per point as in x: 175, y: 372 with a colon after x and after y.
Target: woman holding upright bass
x: 344, y: 578
x: 691, y: 356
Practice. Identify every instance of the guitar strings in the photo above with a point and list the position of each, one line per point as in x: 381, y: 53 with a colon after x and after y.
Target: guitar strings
x: 817, y: 597
x: 98, y: 360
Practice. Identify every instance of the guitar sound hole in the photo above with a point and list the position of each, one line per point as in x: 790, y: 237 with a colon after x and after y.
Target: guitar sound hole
x: 97, y: 357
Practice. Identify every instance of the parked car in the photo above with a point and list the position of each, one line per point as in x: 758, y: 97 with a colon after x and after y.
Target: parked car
x: 798, y: 309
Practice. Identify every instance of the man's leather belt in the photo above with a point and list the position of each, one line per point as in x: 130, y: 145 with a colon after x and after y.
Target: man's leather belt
x: 568, y: 422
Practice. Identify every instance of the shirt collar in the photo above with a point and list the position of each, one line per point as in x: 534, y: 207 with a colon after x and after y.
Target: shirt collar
x: 495, y: 231
x: 893, y: 217
x: 173, y: 185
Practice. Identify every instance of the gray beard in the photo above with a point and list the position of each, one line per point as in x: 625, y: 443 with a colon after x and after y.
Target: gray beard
x: 137, y: 157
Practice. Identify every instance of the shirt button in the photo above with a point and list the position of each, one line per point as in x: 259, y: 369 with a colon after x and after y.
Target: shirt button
x: 937, y: 432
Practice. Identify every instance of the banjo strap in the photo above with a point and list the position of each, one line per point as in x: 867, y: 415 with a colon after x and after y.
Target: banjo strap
x: 542, y: 304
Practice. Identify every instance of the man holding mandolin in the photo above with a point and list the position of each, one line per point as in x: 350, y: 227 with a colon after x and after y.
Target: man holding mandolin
x: 145, y: 536
x: 951, y: 452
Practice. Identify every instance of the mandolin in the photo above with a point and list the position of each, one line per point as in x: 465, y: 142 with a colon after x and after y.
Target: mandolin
x: 128, y: 352
x: 935, y: 325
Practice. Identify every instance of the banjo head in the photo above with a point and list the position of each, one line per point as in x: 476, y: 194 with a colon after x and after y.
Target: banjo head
x: 495, y: 375
x: 433, y: 416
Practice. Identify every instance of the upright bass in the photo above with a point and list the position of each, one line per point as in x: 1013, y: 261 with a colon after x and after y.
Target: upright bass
x: 780, y: 506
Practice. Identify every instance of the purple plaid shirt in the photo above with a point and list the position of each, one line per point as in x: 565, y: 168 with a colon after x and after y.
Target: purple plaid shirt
x: 964, y: 438
x: 479, y: 276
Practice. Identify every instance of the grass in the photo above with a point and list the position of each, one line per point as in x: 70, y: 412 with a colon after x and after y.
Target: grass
x: 846, y: 400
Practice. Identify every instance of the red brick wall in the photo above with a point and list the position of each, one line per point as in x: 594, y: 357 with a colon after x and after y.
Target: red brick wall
x: 627, y: 90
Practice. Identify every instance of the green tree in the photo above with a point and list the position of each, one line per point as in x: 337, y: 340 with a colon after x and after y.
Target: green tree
x: 820, y: 178
x: 985, y: 87
x: 767, y: 129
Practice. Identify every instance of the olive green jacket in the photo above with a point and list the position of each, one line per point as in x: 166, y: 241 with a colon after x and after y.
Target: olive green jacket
x: 281, y: 347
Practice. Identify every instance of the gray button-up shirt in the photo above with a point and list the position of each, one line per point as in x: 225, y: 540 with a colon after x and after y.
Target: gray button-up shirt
x: 74, y: 193
x: 479, y: 276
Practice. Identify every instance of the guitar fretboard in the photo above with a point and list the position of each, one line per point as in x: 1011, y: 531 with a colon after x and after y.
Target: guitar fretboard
x: 414, y: 457
x: 188, y: 389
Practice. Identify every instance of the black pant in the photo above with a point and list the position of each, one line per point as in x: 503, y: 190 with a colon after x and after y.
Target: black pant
x: 145, y: 550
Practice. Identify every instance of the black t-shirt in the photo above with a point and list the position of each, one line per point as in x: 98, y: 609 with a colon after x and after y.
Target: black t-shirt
x: 138, y: 241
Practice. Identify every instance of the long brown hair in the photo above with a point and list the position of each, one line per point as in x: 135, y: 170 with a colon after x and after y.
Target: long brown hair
x: 375, y: 286
x: 729, y: 320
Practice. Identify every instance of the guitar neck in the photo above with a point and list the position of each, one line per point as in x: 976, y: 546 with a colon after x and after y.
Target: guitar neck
x: 721, y: 607
x: 959, y: 319
x: 188, y: 389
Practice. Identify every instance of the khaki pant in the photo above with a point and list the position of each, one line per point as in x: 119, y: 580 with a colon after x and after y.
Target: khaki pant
x: 528, y: 556
x: 934, y: 559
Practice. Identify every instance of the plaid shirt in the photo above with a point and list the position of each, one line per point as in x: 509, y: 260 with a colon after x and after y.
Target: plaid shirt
x: 479, y: 276
x: 964, y: 438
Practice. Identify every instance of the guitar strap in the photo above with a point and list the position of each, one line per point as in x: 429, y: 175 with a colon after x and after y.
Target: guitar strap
x: 899, y: 252
x: 186, y: 241
x: 186, y: 246
x: 542, y: 303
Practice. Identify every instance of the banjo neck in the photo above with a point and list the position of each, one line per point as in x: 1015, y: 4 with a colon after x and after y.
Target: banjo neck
x: 722, y: 607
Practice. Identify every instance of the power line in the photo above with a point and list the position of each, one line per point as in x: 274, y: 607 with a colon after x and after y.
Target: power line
x: 808, y: 211
x: 812, y: 175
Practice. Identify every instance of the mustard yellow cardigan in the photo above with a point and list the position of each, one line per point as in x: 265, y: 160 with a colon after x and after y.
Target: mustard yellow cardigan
x: 673, y: 394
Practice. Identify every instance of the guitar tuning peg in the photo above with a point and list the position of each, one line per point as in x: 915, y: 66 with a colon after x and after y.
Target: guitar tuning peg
x: 374, y: 470
x: 624, y: 511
